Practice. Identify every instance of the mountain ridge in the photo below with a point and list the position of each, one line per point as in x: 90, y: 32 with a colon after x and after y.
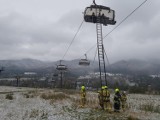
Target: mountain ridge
x: 132, y: 66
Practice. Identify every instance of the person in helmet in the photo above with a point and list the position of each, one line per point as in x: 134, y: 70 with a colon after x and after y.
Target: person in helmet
x: 106, y: 99
x: 123, y: 100
x: 117, y: 100
x: 100, y: 97
x: 83, y: 96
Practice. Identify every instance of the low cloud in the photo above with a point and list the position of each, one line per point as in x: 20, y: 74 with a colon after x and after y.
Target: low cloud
x: 30, y: 35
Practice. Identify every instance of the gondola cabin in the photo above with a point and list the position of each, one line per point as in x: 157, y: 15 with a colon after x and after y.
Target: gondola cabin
x: 61, y: 67
x: 99, y: 14
x: 84, y: 62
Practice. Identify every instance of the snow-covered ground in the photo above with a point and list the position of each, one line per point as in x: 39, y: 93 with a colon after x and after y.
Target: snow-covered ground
x: 27, y: 104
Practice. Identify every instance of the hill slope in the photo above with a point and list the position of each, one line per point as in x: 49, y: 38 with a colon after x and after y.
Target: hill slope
x: 123, y: 66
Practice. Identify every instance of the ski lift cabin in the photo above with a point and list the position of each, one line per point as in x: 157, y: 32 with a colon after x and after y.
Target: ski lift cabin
x: 99, y: 14
x: 61, y: 67
x: 84, y: 62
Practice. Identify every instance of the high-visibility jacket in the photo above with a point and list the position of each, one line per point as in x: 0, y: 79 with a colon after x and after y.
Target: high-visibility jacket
x: 83, y: 93
x: 106, y: 95
x: 100, y: 95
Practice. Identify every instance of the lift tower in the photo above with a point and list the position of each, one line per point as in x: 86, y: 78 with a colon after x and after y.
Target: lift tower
x: 61, y: 68
x: 99, y: 15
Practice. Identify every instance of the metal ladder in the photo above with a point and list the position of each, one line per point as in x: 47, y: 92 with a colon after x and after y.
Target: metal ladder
x: 100, y: 49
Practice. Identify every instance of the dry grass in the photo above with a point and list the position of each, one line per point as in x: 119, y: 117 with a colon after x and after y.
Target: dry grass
x: 90, y: 103
x: 150, y: 108
x: 33, y: 93
x: 75, y: 100
x: 67, y: 91
x: 54, y: 96
x: 70, y: 92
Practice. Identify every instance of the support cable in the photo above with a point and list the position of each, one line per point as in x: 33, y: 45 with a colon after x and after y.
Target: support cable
x: 109, y: 65
x: 94, y: 56
x: 125, y: 18
x: 73, y: 39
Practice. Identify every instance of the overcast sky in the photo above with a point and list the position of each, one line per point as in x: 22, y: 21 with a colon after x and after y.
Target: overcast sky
x: 43, y: 29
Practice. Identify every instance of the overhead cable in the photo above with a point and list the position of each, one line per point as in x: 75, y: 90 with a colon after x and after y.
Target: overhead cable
x: 72, y: 40
x: 109, y: 65
x: 125, y: 18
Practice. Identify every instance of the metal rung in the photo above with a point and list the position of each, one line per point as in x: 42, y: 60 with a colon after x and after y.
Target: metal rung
x: 100, y: 46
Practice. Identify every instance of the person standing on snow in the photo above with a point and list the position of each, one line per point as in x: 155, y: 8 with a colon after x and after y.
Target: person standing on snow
x: 106, y: 99
x: 117, y: 100
x: 83, y: 96
x: 100, y: 97
x: 123, y: 100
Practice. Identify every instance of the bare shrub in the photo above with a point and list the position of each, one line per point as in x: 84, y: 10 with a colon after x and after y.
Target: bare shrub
x: 26, y: 95
x: 30, y: 94
x: 147, y: 107
x: 52, y: 101
x: 43, y: 96
x: 132, y: 118
x: 33, y: 93
x: 157, y: 109
x: 44, y: 115
x: 150, y: 108
x: 9, y: 96
x: 34, y: 113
